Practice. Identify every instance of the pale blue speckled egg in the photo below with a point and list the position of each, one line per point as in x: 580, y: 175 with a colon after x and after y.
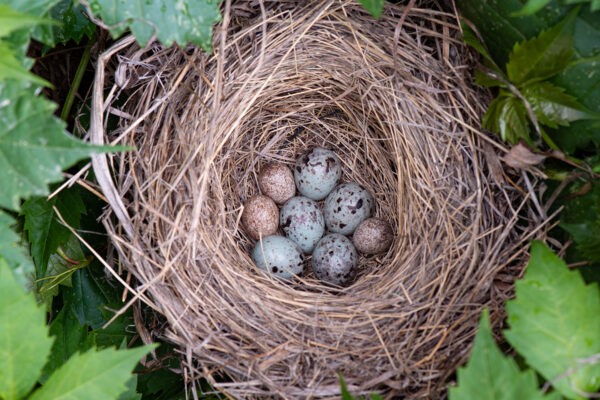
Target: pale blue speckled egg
x: 303, y: 222
x: 346, y: 207
x: 316, y: 173
x: 279, y: 256
x: 335, y: 259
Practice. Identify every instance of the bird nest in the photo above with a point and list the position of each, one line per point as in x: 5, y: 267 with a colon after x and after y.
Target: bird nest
x: 393, y: 98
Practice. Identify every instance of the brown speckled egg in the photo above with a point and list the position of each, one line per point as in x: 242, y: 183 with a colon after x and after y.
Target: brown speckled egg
x: 277, y: 181
x: 373, y: 236
x: 260, y: 216
x: 334, y: 260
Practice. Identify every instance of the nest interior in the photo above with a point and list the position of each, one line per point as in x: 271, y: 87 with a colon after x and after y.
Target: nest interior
x: 393, y: 98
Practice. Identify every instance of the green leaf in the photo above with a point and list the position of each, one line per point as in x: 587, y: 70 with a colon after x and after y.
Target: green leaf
x: 24, y: 341
x: 490, y: 376
x: 130, y: 393
x: 119, y: 330
x: 74, y: 24
x: 581, y: 218
x: 374, y: 7
x: 552, y: 106
x: 482, y: 79
x: 14, y: 254
x: 531, y: 7
x: 11, y: 20
x: 555, y: 322
x: 471, y: 39
x: 45, y: 231
x: 94, y: 375
x: 545, y: 55
x: 70, y: 337
x: 11, y: 68
x: 30, y: 132
x: 179, y: 21
x: 345, y: 393
x: 506, y: 116
x: 91, y: 292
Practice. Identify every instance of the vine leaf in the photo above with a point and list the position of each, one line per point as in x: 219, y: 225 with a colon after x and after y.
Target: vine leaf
x: 94, y: 375
x: 45, y: 232
x: 533, y: 6
x: 70, y: 337
x: 555, y: 322
x: 552, y: 106
x: 29, y: 132
x: 507, y: 116
x: 374, y: 7
x: 179, y: 21
x: 24, y: 341
x: 11, y: 20
x: 14, y: 254
x: 490, y: 376
x: 74, y: 24
x: 543, y: 56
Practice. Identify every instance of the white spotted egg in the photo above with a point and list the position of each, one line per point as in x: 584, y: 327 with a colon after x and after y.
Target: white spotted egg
x: 316, y: 173
x: 346, y: 207
x: 335, y: 259
x: 279, y: 256
x: 303, y: 222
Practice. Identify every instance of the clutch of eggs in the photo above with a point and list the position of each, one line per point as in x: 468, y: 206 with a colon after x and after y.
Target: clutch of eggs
x: 346, y: 211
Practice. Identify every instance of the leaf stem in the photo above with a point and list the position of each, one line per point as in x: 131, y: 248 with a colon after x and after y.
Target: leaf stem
x: 85, y: 58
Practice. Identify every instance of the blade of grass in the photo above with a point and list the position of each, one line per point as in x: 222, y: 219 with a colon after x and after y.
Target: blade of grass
x: 85, y: 58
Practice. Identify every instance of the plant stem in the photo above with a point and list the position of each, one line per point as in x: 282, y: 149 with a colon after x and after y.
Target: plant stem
x: 85, y: 58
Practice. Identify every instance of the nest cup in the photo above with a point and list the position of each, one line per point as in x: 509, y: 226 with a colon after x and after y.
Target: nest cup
x: 393, y: 99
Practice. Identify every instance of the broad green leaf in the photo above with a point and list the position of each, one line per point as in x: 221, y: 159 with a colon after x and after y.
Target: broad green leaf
x: 482, y: 79
x: 45, y: 232
x: 14, y: 253
x: 131, y: 393
x: 11, y: 68
x: 581, y: 218
x: 34, y: 146
x: 119, y: 330
x: 91, y: 292
x: 531, y: 7
x: 94, y: 375
x: 555, y: 321
x: 74, y: 24
x: 24, y: 341
x: 545, y: 55
x: 70, y: 337
x: 552, y: 106
x: 471, y: 39
x: 178, y: 21
x: 11, y: 20
x: 374, y: 7
x: 489, y: 375
x: 507, y: 116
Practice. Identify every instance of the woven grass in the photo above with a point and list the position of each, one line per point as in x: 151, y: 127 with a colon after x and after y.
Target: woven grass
x: 394, y: 99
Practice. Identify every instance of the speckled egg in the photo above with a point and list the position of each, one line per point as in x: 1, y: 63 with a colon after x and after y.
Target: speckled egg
x: 334, y: 259
x: 260, y: 216
x: 303, y: 222
x: 279, y: 256
x: 276, y: 180
x: 346, y: 207
x: 373, y: 236
x: 316, y: 173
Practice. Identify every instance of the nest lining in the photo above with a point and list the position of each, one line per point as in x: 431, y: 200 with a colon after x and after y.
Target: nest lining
x: 393, y: 99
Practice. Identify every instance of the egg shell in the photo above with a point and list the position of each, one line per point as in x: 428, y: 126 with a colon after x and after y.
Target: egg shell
x: 317, y: 172
x: 334, y: 259
x: 279, y: 256
x: 303, y: 222
x: 346, y: 207
x: 276, y: 180
x: 373, y: 236
x: 260, y: 216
